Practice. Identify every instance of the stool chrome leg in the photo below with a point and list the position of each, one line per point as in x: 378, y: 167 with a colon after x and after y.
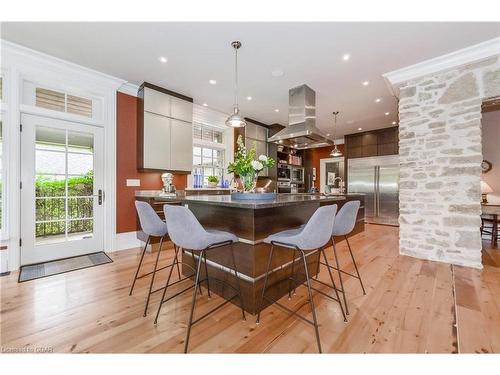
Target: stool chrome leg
x: 238, y: 283
x: 194, y: 263
x: 355, y: 265
x: 291, y: 276
x: 340, y: 276
x: 139, y: 266
x: 153, y: 277
x: 318, y: 341
x: 196, y: 286
x: 265, y: 283
x: 206, y: 274
x: 177, y: 262
x: 166, y: 286
x: 333, y: 284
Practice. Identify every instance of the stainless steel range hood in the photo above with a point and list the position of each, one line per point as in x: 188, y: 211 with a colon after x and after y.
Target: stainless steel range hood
x: 301, y: 132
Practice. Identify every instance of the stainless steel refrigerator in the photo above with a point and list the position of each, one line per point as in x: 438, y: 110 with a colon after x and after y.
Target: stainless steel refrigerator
x: 378, y: 178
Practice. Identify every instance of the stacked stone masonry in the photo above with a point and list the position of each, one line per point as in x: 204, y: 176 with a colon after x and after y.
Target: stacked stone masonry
x: 440, y: 162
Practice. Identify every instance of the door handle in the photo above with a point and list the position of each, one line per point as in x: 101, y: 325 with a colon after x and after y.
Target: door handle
x: 100, y: 197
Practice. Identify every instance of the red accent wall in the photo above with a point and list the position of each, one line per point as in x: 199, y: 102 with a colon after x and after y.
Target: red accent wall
x: 313, y: 156
x: 126, y: 165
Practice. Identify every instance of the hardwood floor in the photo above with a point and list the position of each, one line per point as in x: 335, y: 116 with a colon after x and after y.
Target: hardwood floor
x: 411, y: 306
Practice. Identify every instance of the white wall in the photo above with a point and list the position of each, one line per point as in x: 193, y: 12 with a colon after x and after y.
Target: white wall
x: 491, y: 152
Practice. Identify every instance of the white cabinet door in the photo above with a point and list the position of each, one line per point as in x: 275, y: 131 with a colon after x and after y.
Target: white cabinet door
x: 181, y: 150
x: 156, y: 142
x: 181, y: 109
x: 156, y: 102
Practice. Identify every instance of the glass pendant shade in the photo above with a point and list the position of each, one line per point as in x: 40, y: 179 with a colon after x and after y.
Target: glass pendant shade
x: 235, y: 120
x: 335, y: 152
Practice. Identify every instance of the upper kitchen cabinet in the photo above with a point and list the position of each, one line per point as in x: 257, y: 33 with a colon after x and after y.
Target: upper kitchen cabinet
x: 372, y: 143
x: 164, y: 130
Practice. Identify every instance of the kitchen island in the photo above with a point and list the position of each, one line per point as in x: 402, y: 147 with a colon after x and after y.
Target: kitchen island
x: 252, y: 222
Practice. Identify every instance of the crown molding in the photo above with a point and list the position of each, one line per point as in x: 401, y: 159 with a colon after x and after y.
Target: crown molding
x: 129, y: 89
x: 477, y: 52
x: 28, y: 56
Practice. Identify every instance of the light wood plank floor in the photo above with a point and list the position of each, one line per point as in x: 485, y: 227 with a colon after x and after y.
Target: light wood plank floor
x: 411, y: 306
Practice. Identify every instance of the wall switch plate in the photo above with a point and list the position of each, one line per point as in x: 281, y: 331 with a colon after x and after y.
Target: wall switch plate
x: 133, y: 182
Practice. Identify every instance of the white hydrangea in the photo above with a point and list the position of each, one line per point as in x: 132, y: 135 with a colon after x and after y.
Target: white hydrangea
x: 257, y: 165
x: 263, y: 158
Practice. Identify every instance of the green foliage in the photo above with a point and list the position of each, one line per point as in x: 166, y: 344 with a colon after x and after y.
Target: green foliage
x: 53, y: 208
x: 214, y: 179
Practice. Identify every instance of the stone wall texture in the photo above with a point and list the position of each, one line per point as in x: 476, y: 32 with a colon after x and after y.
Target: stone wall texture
x: 440, y: 162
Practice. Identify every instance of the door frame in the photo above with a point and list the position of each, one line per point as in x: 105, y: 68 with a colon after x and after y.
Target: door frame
x: 74, y: 247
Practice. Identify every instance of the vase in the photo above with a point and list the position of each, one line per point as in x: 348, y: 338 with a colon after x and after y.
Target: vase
x: 248, y: 182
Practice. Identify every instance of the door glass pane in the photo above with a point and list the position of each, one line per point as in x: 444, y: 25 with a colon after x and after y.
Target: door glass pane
x: 79, y: 208
x: 64, y: 186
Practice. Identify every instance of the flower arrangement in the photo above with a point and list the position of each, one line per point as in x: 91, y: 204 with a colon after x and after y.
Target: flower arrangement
x: 247, y: 166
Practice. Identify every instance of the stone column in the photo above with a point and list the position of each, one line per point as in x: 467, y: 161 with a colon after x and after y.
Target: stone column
x: 440, y: 162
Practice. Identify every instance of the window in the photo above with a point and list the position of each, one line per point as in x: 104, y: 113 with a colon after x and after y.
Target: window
x: 208, y: 152
x: 62, y: 102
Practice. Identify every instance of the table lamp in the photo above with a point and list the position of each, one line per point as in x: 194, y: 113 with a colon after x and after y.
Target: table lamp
x: 485, y: 190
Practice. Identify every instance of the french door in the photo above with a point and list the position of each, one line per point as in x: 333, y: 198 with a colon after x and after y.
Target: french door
x: 62, y: 212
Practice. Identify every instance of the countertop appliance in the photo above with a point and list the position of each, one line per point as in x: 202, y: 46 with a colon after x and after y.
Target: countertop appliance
x: 378, y: 178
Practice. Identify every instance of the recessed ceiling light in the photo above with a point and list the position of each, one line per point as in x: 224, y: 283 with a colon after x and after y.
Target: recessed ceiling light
x: 366, y: 83
x: 360, y: 128
x: 394, y: 123
x: 205, y: 104
x: 249, y: 98
x: 277, y: 72
x: 280, y: 141
x: 212, y: 81
x: 163, y: 59
x: 378, y: 100
x: 328, y: 135
x: 387, y: 113
x: 276, y: 110
x: 295, y: 145
x: 346, y: 57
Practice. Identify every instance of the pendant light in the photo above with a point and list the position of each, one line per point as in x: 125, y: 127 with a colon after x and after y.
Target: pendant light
x: 335, y: 152
x: 235, y: 120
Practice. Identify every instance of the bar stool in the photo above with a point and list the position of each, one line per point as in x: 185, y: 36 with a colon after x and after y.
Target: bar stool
x: 343, y: 225
x: 152, y: 226
x: 313, y: 236
x: 187, y: 233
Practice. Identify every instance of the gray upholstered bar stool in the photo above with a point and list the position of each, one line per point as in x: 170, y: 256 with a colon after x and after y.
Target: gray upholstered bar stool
x: 313, y: 236
x: 187, y: 233
x: 343, y: 225
x: 153, y: 226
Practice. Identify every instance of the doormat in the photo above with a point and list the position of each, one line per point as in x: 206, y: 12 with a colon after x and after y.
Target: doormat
x: 56, y: 267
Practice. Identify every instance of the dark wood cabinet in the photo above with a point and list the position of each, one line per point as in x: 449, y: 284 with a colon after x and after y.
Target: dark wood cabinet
x: 372, y: 143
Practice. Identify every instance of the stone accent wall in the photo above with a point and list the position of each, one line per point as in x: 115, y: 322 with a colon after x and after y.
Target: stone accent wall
x: 440, y: 162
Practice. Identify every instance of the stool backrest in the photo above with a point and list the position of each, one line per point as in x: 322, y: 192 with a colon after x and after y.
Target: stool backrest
x: 151, y: 223
x: 346, y: 218
x: 184, y: 229
x: 318, y: 230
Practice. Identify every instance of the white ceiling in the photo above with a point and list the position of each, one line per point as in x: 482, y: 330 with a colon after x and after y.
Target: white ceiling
x: 309, y: 53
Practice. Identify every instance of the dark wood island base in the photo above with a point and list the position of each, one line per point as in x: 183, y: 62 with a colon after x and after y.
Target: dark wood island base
x: 252, y: 222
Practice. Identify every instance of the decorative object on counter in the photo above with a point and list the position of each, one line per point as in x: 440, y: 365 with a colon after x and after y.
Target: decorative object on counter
x: 485, y: 190
x: 235, y: 120
x: 213, y: 181
x: 168, y: 187
x: 486, y: 166
x: 197, y: 178
x: 335, y: 152
x: 247, y: 166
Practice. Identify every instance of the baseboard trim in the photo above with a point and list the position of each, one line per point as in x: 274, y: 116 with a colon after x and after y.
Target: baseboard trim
x: 127, y: 240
